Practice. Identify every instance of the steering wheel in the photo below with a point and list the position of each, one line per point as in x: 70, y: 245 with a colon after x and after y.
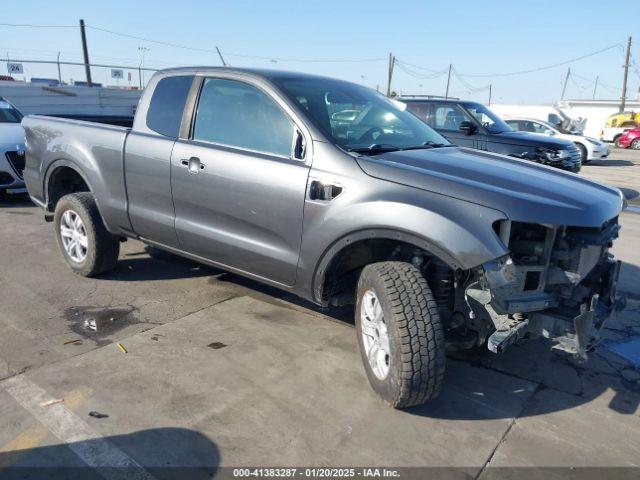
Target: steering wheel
x: 368, y: 135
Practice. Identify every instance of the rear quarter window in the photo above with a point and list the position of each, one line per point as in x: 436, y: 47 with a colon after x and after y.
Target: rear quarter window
x: 167, y: 105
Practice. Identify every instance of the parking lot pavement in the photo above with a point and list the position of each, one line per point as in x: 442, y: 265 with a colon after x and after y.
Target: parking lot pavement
x: 221, y: 371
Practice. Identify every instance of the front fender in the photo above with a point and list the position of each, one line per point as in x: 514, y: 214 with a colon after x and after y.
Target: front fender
x: 458, y: 232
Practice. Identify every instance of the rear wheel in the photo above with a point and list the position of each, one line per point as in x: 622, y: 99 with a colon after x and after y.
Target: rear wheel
x: 400, y: 335
x: 84, y: 241
x: 636, y: 144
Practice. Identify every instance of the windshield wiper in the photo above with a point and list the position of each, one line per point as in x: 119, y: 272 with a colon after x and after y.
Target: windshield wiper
x: 428, y: 144
x: 375, y: 148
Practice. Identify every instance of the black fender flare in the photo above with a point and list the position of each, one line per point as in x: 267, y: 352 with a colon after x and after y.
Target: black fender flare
x: 375, y: 233
x: 53, y: 166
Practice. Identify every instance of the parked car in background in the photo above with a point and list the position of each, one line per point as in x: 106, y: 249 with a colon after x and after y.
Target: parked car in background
x: 630, y: 138
x: 12, y: 157
x: 473, y: 125
x: 549, y: 113
x: 613, y: 134
x: 333, y: 192
x: 590, y: 148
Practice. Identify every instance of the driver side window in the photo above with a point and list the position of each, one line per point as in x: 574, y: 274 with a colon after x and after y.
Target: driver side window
x: 448, y: 117
x: 540, y: 128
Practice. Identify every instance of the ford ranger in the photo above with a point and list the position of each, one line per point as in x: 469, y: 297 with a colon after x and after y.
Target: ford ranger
x: 338, y: 194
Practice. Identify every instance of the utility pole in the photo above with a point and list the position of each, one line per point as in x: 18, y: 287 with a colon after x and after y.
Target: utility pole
x: 489, y: 94
x: 595, y: 87
x: 623, y: 98
x: 59, y: 72
x: 566, y: 80
x: 142, y: 50
x: 446, y: 93
x: 392, y: 63
x: 224, y: 64
x: 85, y: 52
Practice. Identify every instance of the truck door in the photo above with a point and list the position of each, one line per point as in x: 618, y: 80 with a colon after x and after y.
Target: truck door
x: 449, y: 117
x: 238, y: 188
x: 147, y: 161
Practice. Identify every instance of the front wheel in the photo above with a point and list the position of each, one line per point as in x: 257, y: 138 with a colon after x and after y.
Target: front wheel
x: 583, y: 153
x: 84, y: 241
x: 616, y: 142
x: 400, y: 335
x: 636, y: 144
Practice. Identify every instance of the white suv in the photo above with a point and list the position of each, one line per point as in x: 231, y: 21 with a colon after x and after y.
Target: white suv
x: 11, y: 147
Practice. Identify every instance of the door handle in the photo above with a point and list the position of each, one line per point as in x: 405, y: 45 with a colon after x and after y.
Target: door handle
x: 193, y: 163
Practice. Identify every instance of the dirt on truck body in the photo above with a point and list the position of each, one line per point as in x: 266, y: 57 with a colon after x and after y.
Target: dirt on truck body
x: 336, y: 193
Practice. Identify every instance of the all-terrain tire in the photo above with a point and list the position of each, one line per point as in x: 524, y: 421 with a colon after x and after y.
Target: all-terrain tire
x: 102, y: 248
x: 416, y: 359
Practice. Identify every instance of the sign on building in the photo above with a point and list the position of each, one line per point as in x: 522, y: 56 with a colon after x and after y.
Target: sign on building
x: 117, y: 73
x: 13, y: 68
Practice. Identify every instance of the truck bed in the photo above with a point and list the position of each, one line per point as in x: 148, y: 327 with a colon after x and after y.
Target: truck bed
x: 93, y: 149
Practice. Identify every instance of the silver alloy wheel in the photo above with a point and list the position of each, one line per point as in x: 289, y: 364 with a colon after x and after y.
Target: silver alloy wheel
x: 375, y: 337
x: 74, y: 236
x: 635, y: 144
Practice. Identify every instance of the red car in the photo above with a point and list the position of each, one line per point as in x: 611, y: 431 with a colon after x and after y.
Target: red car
x: 630, y: 138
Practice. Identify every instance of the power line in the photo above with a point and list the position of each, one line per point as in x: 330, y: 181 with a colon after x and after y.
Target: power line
x: 467, y: 84
x: 30, y: 25
x: 539, y: 69
x: 424, y: 76
x: 239, y: 55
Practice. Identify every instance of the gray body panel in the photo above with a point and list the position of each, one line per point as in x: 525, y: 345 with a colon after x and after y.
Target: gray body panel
x: 251, y: 213
x: 242, y: 210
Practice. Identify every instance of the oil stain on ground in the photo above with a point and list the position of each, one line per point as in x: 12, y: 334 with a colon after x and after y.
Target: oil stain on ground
x: 99, y: 323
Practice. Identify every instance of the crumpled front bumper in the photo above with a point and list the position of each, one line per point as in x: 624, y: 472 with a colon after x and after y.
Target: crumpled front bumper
x: 579, y: 334
x: 566, y: 295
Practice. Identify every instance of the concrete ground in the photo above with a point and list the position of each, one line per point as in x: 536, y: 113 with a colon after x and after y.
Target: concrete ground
x: 220, y: 371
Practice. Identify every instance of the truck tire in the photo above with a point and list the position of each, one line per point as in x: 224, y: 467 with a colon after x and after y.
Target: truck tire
x: 84, y: 241
x: 583, y: 153
x: 400, y: 335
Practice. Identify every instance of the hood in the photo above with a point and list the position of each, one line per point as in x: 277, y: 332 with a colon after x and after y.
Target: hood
x: 531, y: 139
x: 12, y: 134
x: 524, y: 191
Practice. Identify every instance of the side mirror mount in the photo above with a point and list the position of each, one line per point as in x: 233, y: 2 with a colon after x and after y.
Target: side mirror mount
x: 549, y: 132
x: 467, y: 127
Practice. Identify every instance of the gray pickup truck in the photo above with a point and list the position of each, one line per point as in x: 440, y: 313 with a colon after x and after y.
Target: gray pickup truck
x: 336, y: 193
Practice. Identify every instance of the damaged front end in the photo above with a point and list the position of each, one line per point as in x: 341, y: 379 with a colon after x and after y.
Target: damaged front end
x: 557, y: 281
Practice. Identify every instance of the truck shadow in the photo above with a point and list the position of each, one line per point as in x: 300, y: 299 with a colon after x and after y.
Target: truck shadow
x: 165, y: 453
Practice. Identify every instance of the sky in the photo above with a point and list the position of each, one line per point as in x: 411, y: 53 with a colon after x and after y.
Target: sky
x: 347, y: 39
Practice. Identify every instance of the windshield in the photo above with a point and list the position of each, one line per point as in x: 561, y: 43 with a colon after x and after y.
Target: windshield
x: 358, y: 118
x: 8, y: 114
x: 488, y: 119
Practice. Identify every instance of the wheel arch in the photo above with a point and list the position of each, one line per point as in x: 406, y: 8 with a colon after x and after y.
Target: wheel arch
x: 56, y: 168
x: 350, y: 243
